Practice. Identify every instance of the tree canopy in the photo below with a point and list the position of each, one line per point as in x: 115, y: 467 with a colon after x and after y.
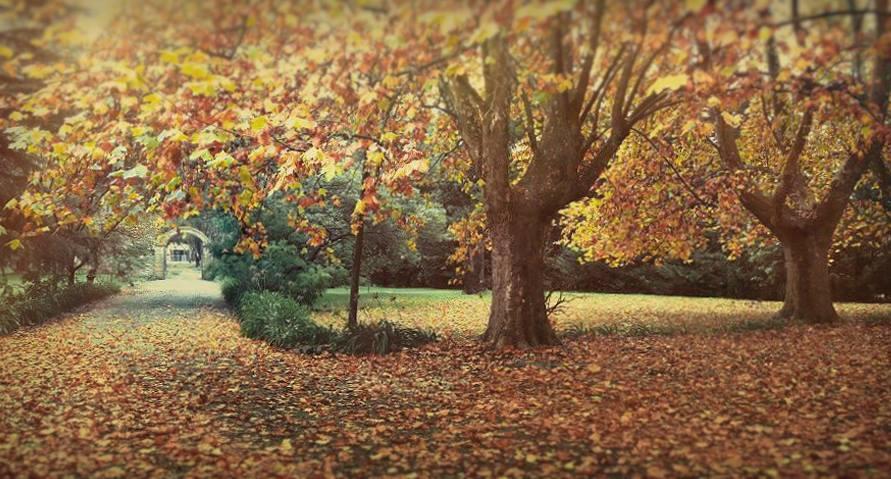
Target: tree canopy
x: 646, y: 129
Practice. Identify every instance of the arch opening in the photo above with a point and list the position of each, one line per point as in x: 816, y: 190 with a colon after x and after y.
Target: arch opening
x: 190, y: 245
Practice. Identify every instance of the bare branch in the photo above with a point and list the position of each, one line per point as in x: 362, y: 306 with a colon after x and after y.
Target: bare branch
x: 588, y: 62
x: 791, y: 178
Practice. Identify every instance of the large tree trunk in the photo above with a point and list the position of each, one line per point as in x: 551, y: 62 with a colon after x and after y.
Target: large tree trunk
x: 808, y: 295
x: 518, y: 317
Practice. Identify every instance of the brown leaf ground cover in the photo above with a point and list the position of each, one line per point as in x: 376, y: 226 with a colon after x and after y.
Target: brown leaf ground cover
x: 143, y: 387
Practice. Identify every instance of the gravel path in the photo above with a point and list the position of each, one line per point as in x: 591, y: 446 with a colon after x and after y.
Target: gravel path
x: 182, y: 297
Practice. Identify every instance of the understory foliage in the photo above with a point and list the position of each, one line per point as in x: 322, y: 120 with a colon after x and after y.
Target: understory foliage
x: 283, y: 266
x: 280, y: 268
x: 279, y: 320
x: 285, y: 323
x: 382, y: 337
x: 42, y: 301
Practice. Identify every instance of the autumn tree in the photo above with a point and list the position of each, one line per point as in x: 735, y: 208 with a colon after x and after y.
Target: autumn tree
x: 787, y: 115
x: 821, y: 127
x: 558, y: 90
x: 36, y: 39
x: 216, y: 105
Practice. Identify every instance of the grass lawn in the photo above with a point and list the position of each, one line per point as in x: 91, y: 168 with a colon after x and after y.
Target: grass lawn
x: 452, y: 312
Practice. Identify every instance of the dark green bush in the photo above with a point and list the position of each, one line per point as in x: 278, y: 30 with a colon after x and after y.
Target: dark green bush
x: 42, y: 301
x: 279, y: 320
x: 233, y: 290
x: 383, y: 337
x: 280, y: 268
x: 283, y: 322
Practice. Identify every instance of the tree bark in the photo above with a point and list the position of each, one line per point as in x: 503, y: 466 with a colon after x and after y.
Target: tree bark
x: 808, y: 293
x: 518, y: 317
x: 93, y: 271
x: 353, y: 319
x: 474, y: 280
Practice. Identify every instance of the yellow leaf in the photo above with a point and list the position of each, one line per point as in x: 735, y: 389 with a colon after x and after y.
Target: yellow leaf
x: 197, y: 71
x: 286, y: 447
x: 5, y: 51
x: 594, y: 368
x: 299, y: 123
x: 542, y: 10
x: 245, y: 175
x: 375, y: 158
x: 202, y: 88
x: 669, y: 82
x: 359, y: 209
x: 168, y: 56
x: 695, y: 5
x: 330, y: 170
x: 258, y: 123
x: 486, y: 30
x: 731, y: 119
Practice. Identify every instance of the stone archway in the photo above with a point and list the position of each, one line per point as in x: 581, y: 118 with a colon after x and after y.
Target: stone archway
x: 161, y: 249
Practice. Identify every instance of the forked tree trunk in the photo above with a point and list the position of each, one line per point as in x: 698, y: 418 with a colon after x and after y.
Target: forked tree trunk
x: 518, y: 317
x: 808, y: 293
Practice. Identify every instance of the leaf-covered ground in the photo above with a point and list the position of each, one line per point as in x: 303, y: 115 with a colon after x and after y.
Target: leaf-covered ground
x: 149, y: 385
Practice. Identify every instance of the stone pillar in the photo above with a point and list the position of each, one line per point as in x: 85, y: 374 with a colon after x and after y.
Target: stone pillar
x: 160, y: 262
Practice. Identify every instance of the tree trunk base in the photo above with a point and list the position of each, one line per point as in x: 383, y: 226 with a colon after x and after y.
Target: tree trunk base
x: 518, y: 317
x: 808, y: 294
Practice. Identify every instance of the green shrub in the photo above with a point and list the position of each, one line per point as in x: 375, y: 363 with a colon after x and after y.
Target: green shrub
x: 40, y: 302
x: 383, y: 337
x: 233, y: 290
x: 279, y: 320
x: 283, y: 322
x: 280, y: 268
